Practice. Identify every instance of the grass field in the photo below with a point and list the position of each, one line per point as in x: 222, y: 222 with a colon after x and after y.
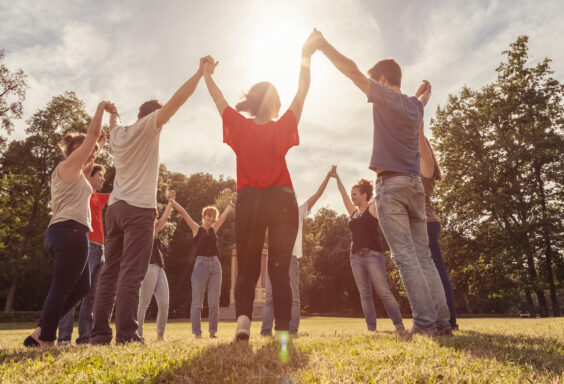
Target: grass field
x: 328, y: 350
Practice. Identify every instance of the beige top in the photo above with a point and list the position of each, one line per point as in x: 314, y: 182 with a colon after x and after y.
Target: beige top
x: 70, y: 200
x: 136, y: 157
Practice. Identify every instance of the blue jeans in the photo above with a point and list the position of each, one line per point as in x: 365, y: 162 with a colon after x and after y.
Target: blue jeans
x: 434, y: 229
x: 95, y: 264
x: 370, y: 267
x: 207, y: 273
x: 66, y: 243
x: 154, y: 283
x: 401, y: 210
x: 268, y: 310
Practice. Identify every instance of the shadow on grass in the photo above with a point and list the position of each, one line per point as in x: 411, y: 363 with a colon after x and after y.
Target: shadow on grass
x: 8, y: 355
x: 236, y: 363
x: 543, y: 355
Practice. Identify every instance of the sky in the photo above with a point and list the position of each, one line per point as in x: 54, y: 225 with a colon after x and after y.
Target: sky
x: 133, y: 51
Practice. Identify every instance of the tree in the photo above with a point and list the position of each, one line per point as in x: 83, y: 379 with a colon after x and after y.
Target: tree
x: 502, y: 149
x: 12, y: 93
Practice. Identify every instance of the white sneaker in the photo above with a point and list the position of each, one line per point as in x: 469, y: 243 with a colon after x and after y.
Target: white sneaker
x: 243, y: 331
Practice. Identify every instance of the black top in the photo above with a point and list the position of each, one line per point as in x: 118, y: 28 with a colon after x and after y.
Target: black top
x: 365, y: 235
x: 206, y: 243
x: 157, y: 254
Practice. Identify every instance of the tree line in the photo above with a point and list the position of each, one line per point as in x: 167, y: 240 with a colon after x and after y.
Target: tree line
x: 501, y: 202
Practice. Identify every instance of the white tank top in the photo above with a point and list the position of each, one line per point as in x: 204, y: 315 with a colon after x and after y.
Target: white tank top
x: 70, y: 200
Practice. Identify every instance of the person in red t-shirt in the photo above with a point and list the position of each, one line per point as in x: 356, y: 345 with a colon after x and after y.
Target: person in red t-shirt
x: 266, y: 199
x: 95, y: 263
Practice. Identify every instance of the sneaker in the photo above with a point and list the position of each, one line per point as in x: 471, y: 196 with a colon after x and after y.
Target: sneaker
x: 421, y: 331
x: 454, y: 327
x: 243, y: 331
x: 444, y: 331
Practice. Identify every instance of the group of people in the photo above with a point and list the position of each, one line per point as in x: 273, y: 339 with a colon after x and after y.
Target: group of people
x: 133, y: 270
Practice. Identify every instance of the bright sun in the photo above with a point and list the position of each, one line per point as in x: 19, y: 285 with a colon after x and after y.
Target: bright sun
x: 275, y: 56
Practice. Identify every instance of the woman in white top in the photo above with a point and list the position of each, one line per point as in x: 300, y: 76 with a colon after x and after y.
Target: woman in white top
x: 66, y: 240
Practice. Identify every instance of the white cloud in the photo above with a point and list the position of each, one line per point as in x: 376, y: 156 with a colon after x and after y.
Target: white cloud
x: 131, y: 51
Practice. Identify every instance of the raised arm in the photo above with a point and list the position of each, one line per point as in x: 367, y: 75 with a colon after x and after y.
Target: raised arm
x: 180, y: 96
x: 72, y: 166
x: 114, y: 115
x: 427, y: 167
x: 217, y: 225
x: 313, y: 199
x: 164, y: 217
x: 346, y: 199
x: 424, y: 92
x: 345, y: 65
x: 213, y: 89
x: 191, y: 223
x: 304, y: 81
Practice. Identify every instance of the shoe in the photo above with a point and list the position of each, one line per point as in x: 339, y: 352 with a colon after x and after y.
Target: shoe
x: 62, y: 343
x: 421, y: 331
x: 30, y: 342
x: 444, y: 331
x: 134, y: 339
x: 243, y: 331
x: 454, y: 327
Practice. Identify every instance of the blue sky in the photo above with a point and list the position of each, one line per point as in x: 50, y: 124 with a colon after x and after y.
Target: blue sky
x: 131, y: 51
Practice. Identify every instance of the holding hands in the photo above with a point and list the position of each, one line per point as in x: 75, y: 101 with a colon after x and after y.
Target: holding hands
x: 424, y: 92
x: 171, y: 195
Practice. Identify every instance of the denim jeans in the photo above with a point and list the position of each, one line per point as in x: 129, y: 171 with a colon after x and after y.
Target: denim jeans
x: 67, y: 243
x: 369, y: 269
x: 95, y: 264
x: 274, y: 209
x: 206, y: 274
x: 434, y: 229
x: 268, y: 309
x: 129, y: 242
x: 154, y: 283
x: 401, y: 210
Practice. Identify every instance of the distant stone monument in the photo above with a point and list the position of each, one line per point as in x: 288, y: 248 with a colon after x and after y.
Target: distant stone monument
x: 228, y: 313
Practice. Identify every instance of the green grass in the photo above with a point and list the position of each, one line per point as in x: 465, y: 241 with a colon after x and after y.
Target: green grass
x: 328, y: 350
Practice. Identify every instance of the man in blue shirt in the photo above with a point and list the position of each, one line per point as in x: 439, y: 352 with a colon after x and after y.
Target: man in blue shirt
x: 399, y: 192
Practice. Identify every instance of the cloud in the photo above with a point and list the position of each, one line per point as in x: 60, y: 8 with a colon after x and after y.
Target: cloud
x: 131, y: 51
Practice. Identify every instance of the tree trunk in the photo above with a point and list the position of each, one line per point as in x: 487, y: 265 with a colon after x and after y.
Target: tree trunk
x: 547, y: 243
x: 9, y: 306
x: 543, y: 308
x: 21, y: 251
x: 531, y: 303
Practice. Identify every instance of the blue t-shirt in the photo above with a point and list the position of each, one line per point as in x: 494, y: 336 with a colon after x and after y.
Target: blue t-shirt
x: 396, y: 130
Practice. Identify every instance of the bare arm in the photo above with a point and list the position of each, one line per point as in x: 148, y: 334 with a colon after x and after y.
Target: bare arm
x: 164, y: 217
x: 313, y: 199
x: 72, y: 166
x: 424, y: 92
x: 213, y: 89
x: 191, y: 223
x: 217, y: 225
x: 346, y: 66
x: 114, y: 115
x: 427, y: 167
x: 305, y: 76
x: 346, y: 199
x: 180, y: 96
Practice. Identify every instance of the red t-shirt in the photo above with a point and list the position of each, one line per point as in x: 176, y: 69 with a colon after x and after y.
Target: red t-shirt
x: 260, y: 149
x: 97, y: 203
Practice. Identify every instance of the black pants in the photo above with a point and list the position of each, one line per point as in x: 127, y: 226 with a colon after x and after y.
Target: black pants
x: 274, y: 209
x: 67, y: 243
x: 129, y: 241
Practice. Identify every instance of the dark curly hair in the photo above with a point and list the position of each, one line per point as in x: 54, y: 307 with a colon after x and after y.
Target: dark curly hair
x: 365, y: 187
x: 148, y: 107
x: 71, y: 141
